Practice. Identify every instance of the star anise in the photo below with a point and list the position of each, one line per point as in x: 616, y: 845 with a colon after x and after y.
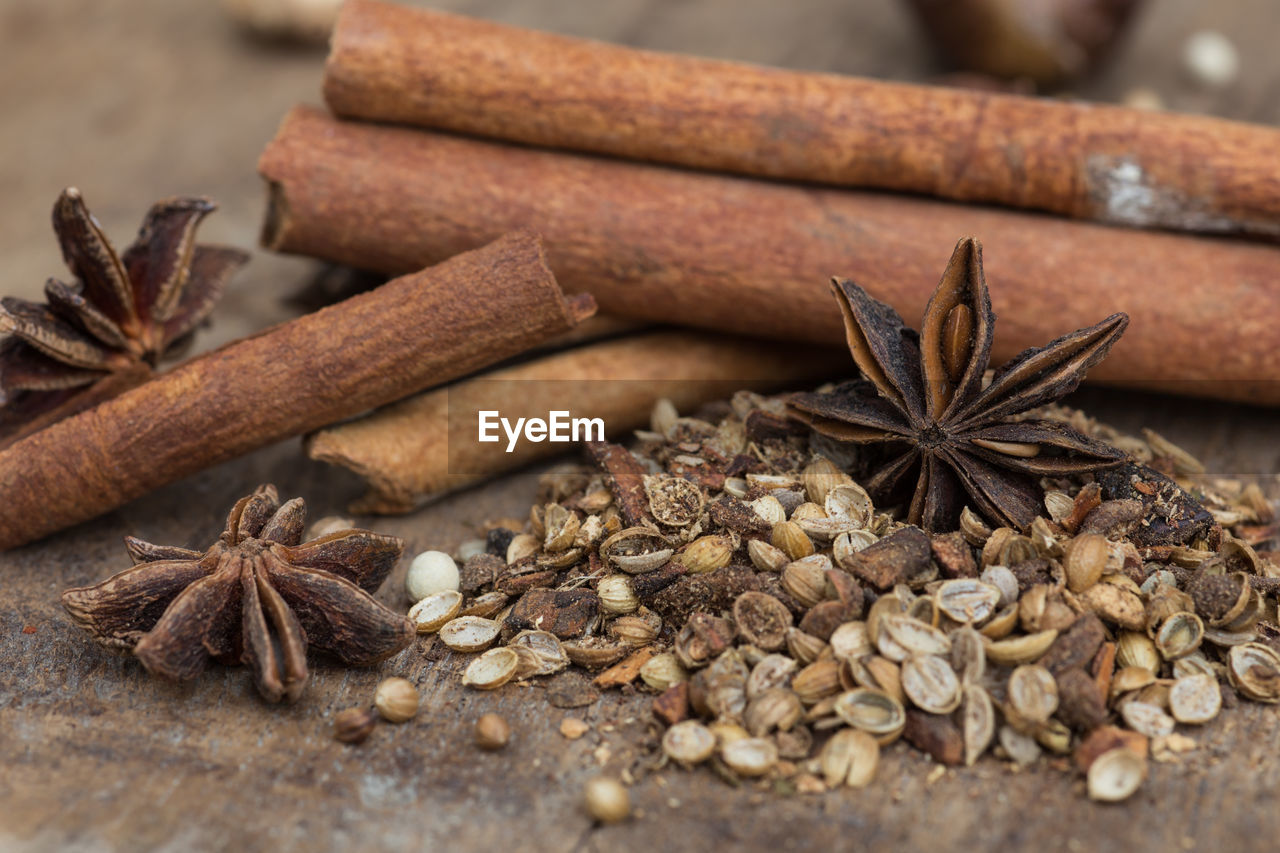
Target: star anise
x: 946, y: 433
x: 257, y: 597
x: 103, y: 333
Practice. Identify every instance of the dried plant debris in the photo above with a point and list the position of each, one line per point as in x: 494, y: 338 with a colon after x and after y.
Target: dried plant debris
x: 789, y: 628
x: 258, y: 596
x: 119, y: 316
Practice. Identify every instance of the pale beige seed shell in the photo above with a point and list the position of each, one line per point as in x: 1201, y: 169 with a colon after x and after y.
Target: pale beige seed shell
x: 1194, y: 664
x: 469, y: 633
x: 766, y: 557
x: 978, y: 723
x: 546, y: 650
x: 522, y: 545
x: 968, y: 654
x: 753, y: 756
x: 771, y: 671
x: 1033, y: 693
x: 689, y: 742
x: 791, y: 539
x: 1130, y: 678
x: 967, y: 600
x: 871, y: 711
x: 1179, y: 635
x: 817, y: 680
x: 850, y: 758
x: 1086, y: 558
x: 432, y: 612
x: 561, y: 528
x: 846, y: 545
x: 396, y: 699
x: 806, y: 582
x: 492, y: 669
x: 616, y: 594
x: 769, y: 510
x: 636, y: 550
x: 851, y: 502
x: 917, y: 637
x: 850, y: 641
x: 706, y: 554
x: 776, y: 708
x: 821, y: 476
x: 1146, y: 719
x: 1254, y: 670
x: 1195, y: 699
x: 1002, y: 624
x: 1003, y: 579
x: 1116, y: 604
x: 931, y: 684
x: 1116, y: 775
x: 1135, y: 648
x: 662, y: 671
x: 1019, y: 650
x: 595, y: 652
x: 1021, y: 748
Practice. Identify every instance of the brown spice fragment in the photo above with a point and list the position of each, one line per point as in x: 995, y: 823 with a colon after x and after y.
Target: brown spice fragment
x: 1104, y: 667
x: 519, y: 584
x: 823, y: 618
x: 702, y: 639
x: 1086, y: 500
x: 733, y: 514
x: 1032, y: 573
x: 894, y: 559
x: 565, y: 613
x: 761, y: 620
x: 1080, y: 705
x: 1214, y: 595
x: 647, y: 585
x: 672, y: 705
x: 480, y: 571
x: 765, y: 426
x: 953, y: 555
x: 848, y: 591
x: 1113, y: 519
x: 1104, y: 739
x: 625, y: 478
x: 713, y: 592
x: 936, y: 734
x: 1170, y: 515
x: 626, y: 670
x: 1076, y: 646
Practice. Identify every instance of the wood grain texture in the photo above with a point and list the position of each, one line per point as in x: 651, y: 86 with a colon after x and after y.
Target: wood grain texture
x: 391, y: 62
x: 755, y: 257
x: 416, y: 331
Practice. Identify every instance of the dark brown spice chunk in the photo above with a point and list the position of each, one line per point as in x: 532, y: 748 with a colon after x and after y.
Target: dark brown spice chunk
x: 1170, y: 515
x: 954, y: 556
x: 565, y: 613
x: 894, y: 559
x: 1076, y: 646
x: 256, y: 597
x: 625, y: 478
x: 935, y: 734
x: 672, y: 705
x: 1080, y: 704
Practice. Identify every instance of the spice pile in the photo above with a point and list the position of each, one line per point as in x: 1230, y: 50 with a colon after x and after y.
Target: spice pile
x: 790, y: 628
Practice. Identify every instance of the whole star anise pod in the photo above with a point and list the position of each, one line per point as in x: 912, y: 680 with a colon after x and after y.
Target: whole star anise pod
x: 103, y: 333
x: 946, y: 434
x: 256, y: 597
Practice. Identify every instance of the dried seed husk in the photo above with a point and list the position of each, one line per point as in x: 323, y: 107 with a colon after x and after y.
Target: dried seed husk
x: 674, y: 501
x: 1003, y: 579
x: 772, y: 671
x: 1116, y: 775
x: 817, y: 680
x: 492, y: 669
x: 1054, y: 736
x: 703, y: 638
x: 1045, y: 539
x: 850, y: 502
x: 975, y: 530
x: 590, y: 532
x: 1019, y: 650
x: 727, y: 732
x: 1021, y: 748
x: 761, y: 620
x: 1116, y: 604
x: 522, y: 545
x: 1195, y: 699
x: 804, y: 647
x: 1254, y: 670
x: 1164, y: 600
x: 1002, y: 624
x: 561, y: 528
x: 967, y: 600
x: 878, y: 673
x: 1084, y: 560
x: 846, y: 546
x: 873, y: 711
x: 486, y: 605
x: 1180, y: 635
x: 968, y: 654
x: 1227, y: 639
x: 850, y: 641
x: 616, y: 594
x: 1146, y: 719
x: 978, y: 723
x: 595, y: 652
x: 636, y: 631
x: 884, y: 605
x: 662, y: 671
x: 808, y: 511
x: 1249, y: 617
x: 706, y: 554
x: 541, y: 653
x: 432, y: 612
x: 1059, y: 505
x: 912, y: 635
x: 791, y: 539
x: 1105, y: 738
x: 1033, y: 693
x: 636, y: 550
x: 766, y: 557
x: 753, y: 756
x: 931, y: 684
x: 805, y: 581
x: 850, y: 758
x: 469, y: 633
x: 769, y: 509
x: 775, y: 708
x: 821, y: 476
x: 1134, y: 648
x: 1194, y: 664
x: 1130, y: 678
x: 689, y: 743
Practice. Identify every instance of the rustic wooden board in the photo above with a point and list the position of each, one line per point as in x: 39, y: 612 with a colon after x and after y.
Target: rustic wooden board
x: 143, y: 98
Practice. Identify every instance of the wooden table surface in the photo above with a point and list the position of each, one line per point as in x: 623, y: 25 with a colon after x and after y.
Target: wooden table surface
x: 137, y: 99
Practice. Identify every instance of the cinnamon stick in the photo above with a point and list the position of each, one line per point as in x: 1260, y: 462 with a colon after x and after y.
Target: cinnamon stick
x: 1107, y: 163
x: 427, y: 444
x: 754, y: 257
x: 418, y: 330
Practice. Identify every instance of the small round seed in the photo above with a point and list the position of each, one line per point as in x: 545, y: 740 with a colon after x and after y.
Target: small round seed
x: 492, y: 732
x: 752, y: 756
x: 689, y: 742
x: 353, y: 725
x: 396, y: 700
x: 430, y: 571
x: 1195, y: 699
x: 607, y: 801
x: 1115, y: 775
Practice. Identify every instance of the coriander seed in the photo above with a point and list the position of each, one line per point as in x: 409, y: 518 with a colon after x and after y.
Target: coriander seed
x: 492, y: 732
x: 607, y: 800
x: 396, y: 700
x: 353, y: 725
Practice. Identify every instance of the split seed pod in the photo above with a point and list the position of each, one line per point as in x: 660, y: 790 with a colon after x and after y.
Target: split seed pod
x: 791, y: 539
x: 706, y: 554
x: 636, y: 550
x: 766, y: 557
x: 1116, y: 775
x: 1085, y: 558
x: 469, y: 633
x: 432, y: 612
x: 1033, y: 693
x: 753, y: 756
x: 967, y: 600
x: 978, y: 723
x: 1254, y: 670
x: 931, y: 684
x: 850, y: 758
x: 872, y: 711
x: 616, y: 594
x: 539, y: 652
x: 688, y: 743
x: 1020, y: 650
x: 1195, y: 699
x: 1180, y: 635
x: 492, y: 669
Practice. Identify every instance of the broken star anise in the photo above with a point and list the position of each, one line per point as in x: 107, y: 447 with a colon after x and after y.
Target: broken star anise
x: 103, y: 333
x: 946, y: 433
x: 258, y: 596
